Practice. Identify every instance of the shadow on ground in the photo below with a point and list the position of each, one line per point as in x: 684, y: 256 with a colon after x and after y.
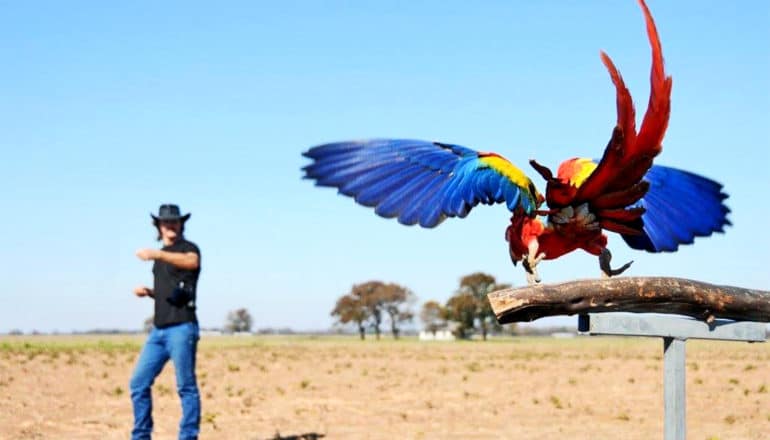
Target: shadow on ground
x: 305, y: 436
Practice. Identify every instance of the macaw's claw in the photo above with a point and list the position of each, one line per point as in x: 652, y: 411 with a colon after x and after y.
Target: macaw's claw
x: 530, y: 266
x: 604, y: 264
x: 533, y: 278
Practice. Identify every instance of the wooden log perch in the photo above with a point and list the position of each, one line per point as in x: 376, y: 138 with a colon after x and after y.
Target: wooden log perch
x: 631, y: 294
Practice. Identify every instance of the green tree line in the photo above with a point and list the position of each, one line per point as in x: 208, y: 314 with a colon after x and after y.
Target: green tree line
x: 372, y: 304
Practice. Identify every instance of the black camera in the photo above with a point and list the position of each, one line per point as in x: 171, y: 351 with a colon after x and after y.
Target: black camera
x: 181, y: 295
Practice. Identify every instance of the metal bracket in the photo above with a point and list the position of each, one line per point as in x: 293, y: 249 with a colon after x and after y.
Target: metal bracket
x: 675, y: 331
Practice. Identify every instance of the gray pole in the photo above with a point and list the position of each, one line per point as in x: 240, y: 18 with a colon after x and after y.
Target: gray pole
x: 675, y: 332
x: 675, y: 425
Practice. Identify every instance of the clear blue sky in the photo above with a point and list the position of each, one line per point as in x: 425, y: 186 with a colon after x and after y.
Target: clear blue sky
x: 108, y: 109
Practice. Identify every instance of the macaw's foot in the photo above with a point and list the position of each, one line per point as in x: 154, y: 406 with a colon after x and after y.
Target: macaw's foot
x: 530, y: 265
x: 604, y: 264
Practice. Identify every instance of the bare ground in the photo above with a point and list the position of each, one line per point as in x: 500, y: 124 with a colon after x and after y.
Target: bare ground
x: 256, y: 388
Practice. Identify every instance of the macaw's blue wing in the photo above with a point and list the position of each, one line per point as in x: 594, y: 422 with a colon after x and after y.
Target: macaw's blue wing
x: 679, y: 207
x: 418, y: 181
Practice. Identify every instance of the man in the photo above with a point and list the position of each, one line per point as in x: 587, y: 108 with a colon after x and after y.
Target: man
x: 175, y: 326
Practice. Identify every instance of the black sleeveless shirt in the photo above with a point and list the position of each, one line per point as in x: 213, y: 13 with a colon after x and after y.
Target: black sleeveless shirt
x: 167, y: 278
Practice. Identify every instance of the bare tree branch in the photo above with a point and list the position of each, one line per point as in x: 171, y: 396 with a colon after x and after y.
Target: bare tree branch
x: 631, y: 294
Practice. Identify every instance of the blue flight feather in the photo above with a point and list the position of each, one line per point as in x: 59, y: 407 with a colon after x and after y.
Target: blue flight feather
x: 679, y: 207
x: 415, y: 181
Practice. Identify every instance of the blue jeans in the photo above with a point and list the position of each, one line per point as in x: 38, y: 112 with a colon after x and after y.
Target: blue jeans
x: 179, y: 343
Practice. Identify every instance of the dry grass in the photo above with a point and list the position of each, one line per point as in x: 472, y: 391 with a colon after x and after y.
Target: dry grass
x: 252, y: 388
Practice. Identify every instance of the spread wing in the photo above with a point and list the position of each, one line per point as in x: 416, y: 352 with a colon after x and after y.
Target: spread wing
x: 679, y: 206
x: 629, y: 154
x: 418, y: 181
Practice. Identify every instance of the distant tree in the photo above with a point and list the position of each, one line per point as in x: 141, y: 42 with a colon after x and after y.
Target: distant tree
x: 396, y: 301
x: 461, y: 308
x: 479, y: 285
x: 147, y: 324
x: 238, y: 320
x: 350, y: 308
x: 368, y: 303
x: 432, y: 316
x: 371, y: 295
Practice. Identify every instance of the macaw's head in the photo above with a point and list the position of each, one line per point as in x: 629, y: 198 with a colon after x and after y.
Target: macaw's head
x: 561, y: 190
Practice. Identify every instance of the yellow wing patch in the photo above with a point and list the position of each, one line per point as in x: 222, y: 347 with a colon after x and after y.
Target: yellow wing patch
x: 507, y: 169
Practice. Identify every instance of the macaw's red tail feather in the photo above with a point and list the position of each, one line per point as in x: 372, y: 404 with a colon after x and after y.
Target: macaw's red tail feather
x: 629, y: 154
x: 625, y: 104
x: 655, y: 121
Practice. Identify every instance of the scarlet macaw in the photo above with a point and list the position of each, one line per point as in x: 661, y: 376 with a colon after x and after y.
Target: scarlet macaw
x: 654, y: 208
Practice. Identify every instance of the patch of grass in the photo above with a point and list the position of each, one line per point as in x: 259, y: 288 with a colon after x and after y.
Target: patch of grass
x: 556, y: 402
x: 734, y: 381
x: 730, y: 419
x: 233, y: 368
x: 55, y: 345
x: 163, y: 390
x: 210, y: 417
x: 304, y: 384
x: 762, y: 389
x: 624, y: 417
x: 473, y: 367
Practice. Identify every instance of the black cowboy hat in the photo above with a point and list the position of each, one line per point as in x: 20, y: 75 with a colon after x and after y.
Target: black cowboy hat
x: 169, y: 212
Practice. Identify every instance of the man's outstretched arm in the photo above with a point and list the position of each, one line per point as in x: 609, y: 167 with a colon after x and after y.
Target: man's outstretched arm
x: 182, y: 260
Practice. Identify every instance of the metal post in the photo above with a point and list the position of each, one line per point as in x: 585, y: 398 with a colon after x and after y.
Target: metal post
x: 675, y: 413
x: 675, y: 332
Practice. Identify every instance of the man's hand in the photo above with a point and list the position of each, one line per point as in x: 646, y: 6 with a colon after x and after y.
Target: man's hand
x: 148, y: 254
x: 142, y: 291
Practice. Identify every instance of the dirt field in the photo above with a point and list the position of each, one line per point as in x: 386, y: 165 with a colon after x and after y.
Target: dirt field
x: 257, y: 387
